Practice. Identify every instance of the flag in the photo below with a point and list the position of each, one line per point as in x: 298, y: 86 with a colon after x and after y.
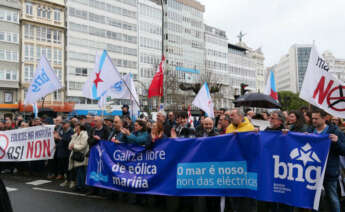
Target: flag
x: 35, y: 109
x: 156, y: 87
x: 190, y: 119
x: 102, y: 78
x: 43, y: 83
x: 271, y: 87
x: 203, y: 101
x: 123, y: 89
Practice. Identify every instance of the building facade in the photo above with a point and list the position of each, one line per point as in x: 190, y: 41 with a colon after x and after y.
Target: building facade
x: 42, y: 34
x: 241, y: 67
x: 94, y: 26
x: 184, y: 48
x: 290, y: 71
x: 336, y: 65
x: 216, y: 64
x: 9, y: 54
x: 149, y: 47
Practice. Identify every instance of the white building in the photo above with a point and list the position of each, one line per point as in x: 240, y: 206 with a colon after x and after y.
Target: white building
x: 183, y: 46
x: 150, y: 45
x: 9, y: 54
x: 336, y: 65
x: 289, y: 72
x: 216, y: 55
x: 92, y: 26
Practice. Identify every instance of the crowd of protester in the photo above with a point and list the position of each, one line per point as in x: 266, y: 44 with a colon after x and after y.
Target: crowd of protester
x: 74, y: 137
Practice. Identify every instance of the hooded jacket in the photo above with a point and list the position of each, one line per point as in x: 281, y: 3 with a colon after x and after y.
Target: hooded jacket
x: 244, y: 126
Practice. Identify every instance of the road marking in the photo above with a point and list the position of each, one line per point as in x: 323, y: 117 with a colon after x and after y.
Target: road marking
x: 66, y: 192
x: 39, y: 182
x: 8, y: 189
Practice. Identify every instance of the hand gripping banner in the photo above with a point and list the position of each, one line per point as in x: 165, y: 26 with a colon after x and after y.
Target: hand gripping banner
x: 267, y: 166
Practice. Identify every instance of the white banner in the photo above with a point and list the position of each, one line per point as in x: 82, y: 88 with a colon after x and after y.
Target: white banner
x: 27, y: 144
x: 321, y: 88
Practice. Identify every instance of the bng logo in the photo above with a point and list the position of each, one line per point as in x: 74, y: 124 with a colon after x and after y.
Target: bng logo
x: 305, y: 167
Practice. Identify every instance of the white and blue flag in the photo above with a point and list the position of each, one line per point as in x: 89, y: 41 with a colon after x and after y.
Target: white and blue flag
x: 102, y: 78
x: 43, y: 83
x: 123, y: 89
x: 203, y: 101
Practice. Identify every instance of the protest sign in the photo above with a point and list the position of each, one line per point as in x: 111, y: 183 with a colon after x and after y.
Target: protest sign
x: 267, y: 166
x: 321, y: 88
x: 27, y: 144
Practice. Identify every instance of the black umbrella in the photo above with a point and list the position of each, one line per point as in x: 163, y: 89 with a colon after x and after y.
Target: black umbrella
x: 47, y: 111
x: 257, y: 100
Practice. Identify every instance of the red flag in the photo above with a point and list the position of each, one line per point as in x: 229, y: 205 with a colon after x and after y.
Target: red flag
x: 156, y: 87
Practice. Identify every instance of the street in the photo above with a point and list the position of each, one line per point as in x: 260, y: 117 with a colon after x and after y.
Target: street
x: 37, y: 194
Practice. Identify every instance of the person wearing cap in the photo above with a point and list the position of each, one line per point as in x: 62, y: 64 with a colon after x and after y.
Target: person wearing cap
x: 125, y: 111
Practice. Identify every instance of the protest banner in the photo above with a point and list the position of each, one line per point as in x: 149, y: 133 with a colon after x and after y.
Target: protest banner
x: 27, y: 144
x: 267, y: 166
x: 321, y: 88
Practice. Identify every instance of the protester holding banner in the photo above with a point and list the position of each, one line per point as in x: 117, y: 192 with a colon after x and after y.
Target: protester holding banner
x: 139, y: 136
x: 77, y: 160
x: 239, y: 123
x: 333, y: 165
x: 116, y: 135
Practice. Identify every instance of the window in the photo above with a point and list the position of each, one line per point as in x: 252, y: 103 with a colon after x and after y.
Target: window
x: 28, y: 52
x: 44, y: 12
x: 15, y: 38
x: 14, y: 75
x: 44, y: 34
x: 59, y: 56
x: 49, y: 13
x: 2, y: 36
x: 9, y: 37
x: 57, y: 96
x: 28, y: 9
x: 2, y: 54
x: 49, y: 35
x: 8, y: 75
x: 2, y: 14
x: 49, y: 54
x: 28, y: 73
x: 39, y: 11
x: 15, y: 17
x: 58, y: 73
x: 57, y: 15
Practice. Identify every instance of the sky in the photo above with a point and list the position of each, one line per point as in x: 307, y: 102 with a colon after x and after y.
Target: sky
x: 275, y: 25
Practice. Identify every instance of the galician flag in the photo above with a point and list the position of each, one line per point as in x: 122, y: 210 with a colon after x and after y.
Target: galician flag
x: 102, y: 78
x: 43, y: 83
x: 35, y: 109
x: 123, y: 89
x: 270, y: 89
x: 203, y: 101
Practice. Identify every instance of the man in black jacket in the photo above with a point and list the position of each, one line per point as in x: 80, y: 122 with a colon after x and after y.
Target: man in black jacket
x: 337, y: 148
x: 183, y: 130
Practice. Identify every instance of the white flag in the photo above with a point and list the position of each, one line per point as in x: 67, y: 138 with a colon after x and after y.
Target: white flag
x: 321, y: 88
x: 102, y: 78
x: 123, y: 89
x: 43, y: 83
x: 203, y: 101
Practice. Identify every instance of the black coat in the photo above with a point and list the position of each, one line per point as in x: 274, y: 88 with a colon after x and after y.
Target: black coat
x: 185, y: 132
x: 337, y: 148
x: 62, y: 150
x: 103, y: 134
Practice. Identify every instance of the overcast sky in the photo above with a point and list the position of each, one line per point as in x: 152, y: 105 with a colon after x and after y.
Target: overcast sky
x: 275, y: 25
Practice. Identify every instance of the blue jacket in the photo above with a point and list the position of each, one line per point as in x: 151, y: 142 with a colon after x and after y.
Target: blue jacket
x: 336, y: 149
x: 139, y: 138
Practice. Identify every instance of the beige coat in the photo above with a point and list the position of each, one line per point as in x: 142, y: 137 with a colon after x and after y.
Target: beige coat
x: 80, y: 145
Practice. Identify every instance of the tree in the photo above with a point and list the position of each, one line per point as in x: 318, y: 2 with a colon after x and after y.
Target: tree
x: 291, y: 101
